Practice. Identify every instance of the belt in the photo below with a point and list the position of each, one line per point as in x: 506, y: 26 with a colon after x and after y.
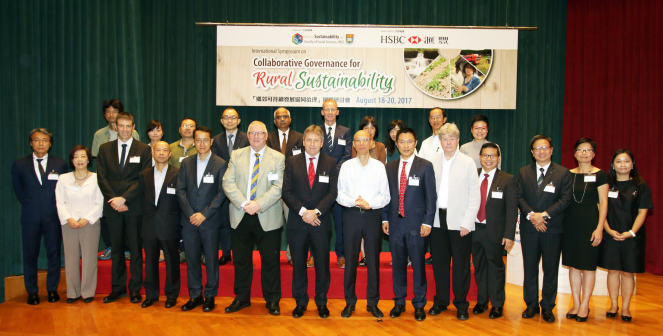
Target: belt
x: 360, y: 210
x: 482, y: 225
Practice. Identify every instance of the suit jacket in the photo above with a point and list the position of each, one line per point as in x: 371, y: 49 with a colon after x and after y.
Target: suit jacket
x: 297, y: 191
x: 236, y: 181
x: 163, y: 220
x: 419, y: 201
x: 295, y: 140
x: 206, y: 198
x: 37, y: 200
x: 340, y: 153
x: 501, y: 214
x: 464, y: 195
x: 380, y: 152
x: 112, y: 183
x: 220, y: 144
x: 531, y: 199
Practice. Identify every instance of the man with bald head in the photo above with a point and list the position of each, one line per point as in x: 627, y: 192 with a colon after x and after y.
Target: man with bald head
x: 161, y: 225
x: 253, y: 185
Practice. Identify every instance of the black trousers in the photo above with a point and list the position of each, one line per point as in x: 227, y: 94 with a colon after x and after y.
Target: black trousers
x: 404, y: 243
x: 337, y: 211
x: 198, y: 239
x: 224, y: 232
x: 31, y: 237
x: 446, y: 244
x: 119, y: 228
x: 319, y: 241
x: 547, y: 248
x: 105, y: 234
x: 358, y: 224
x: 171, y: 253
x: 250, y: 232
x: 489, y: 268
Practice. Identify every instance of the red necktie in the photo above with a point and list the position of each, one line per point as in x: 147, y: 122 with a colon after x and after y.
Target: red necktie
x: 311, y: 173
x: 481, y: 216
x: 401, y: 191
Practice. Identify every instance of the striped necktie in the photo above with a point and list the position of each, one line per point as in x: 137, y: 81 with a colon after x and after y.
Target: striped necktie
x: 254, y: 177
x: 538, y: 182
x: 330, y: 142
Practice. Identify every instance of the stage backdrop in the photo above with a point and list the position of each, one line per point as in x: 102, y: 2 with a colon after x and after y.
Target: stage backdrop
x: 61, y: 59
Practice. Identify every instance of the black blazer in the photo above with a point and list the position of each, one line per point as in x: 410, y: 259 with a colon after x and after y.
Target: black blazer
x: 420, y: 202
x: 205, y: 199
x: 114, y: 184
x: 163, y: 220
x: 501, y: 214
x: 220, y: 144
x: 295, y: 140
x: 297, y: 192
x: 37, y: 200
x: 531, y: 199
x: 339, y: 153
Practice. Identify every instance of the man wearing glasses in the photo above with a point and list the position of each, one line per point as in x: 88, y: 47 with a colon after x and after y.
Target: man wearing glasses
x: 544, y: 191
x: 184, y: 148
x: 479, y: 129
x: 253, y: 185
x: 431, y: 146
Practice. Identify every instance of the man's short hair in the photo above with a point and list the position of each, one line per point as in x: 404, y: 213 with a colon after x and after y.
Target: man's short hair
x: 449, y: 129
x: 537, y: 138
x: 258, y: 122
x: 202, y: 129
x: 229, y: 108
x: 489, y: 145
x: 444, y: 114
x: 479, y: 117
x: 43, y: 131
x: 329, y: 101
x: 125, y: 116
x: 114, y: 103
x: 188, y: 118
x: 279, y: 109
x: 405, y: 130
x: 315, y: 129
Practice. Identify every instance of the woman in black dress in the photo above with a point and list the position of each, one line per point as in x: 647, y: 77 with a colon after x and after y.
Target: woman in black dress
x: 623, y: 253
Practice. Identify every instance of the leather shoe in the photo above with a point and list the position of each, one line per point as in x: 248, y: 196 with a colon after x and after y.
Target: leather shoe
x: 582, y: 319
x: 209, y: 305
x: 419, y: 314
x: 170, y: 303
x: 397, y: 310
x: 626, y: 318
x: 479, y: 308
x: 192, y: 303
x: 225, y: 259
x: 496, y: 312
x: 531, y: 311
x: 341, y: 262
x: 323, y: 312
x: 428, y: 261
x: 612, y: 315
x: 463, y: 315
x: 135, y: 297
x: 310, y: 262
x: 147, y: 303
x: 377, y: 313
x: 299, y: 311
x: 571, y: 316
x: 33, y: 299
x: 436, y: 309
x: 72, y: 300
x: 548, y: 316
x: 114, y: 296
x: 53, y: 297
x: 273, y: 308
x: 237, y: 306
x: 88, y: 300
x: 347, y: 311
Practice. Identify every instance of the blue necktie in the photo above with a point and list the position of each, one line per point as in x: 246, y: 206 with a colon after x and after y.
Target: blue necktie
x: 124, y: 151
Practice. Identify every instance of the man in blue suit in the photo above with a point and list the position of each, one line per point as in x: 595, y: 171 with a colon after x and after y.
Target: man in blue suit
x: 34, y: 178
x: 337, y: 144
x: 408, y: 219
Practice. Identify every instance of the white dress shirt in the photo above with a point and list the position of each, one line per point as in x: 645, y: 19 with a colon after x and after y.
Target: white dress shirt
x: 491, y: 175
x: 119, y: 150
x: 545, y: 170
x: 43, y: 165
x: 369, y: 182
x: 228, y: 138
x: 283, y: 135
x: 76, y: 202
x: 443, y: 193
x: 430, y: 147
x: 331, y: 133
x: 158, y: 182
x: 315, y: 169
x: 252, y: 161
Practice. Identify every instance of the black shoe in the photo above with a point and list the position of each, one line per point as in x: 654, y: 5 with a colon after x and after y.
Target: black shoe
x: 147, y: 303
x: 612, y: 315
x: 347, y: 311
x: 479, y: 308
x: 571, y: 316
x: 202, y: 259
x: 88, y: 300
x: 192, y: 303
x: 428, y: 261
x: 495, y: 312
x: 53, y: 297
x: 419, y: 314
x: 377, y: 313
x: 323, y: 312
x: 582, y: 319
x: 626, y: 318
x: 463, y: 315
x: 225, y: 259
x: 237, y: 306
x: 362, y: 262
x: 548, y: 315
x: 33, y: 299
x: 397, y: 310
x: 170, y: 303
x: 436, y: 309
x: 70, y: 300
x: 273, y: 308
x: 209, y: 305
x: 114, y: 296
x: 531, y: 311
x: 135, y: 297
x: 299, y: 311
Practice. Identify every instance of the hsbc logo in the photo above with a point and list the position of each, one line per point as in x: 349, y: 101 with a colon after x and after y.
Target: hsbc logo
x: 392, y: 39
x: 414, y: 39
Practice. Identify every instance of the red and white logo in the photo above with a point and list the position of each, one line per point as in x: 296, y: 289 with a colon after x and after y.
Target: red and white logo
x: 414, y: 39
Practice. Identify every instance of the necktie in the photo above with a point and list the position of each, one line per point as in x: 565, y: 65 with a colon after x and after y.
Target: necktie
x: 538, y: 182
x: 254, y: 177
x: 41, y: 168
x: 481, y: 216
x: 311, y: 173
x: 124, y: 151
x: 401, y: 191
x: 283, y: 145
x: 330, y: 142
x: 230, y: 143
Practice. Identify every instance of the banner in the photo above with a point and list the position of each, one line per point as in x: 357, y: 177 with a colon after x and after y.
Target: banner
x: 366, y: 67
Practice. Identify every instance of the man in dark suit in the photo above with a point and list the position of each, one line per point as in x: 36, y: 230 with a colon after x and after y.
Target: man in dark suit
x: 222, y: 146
x: 161, y: 225
x: 34, y: 178
x: 408, y: 219
x: 200, y: 195
x: 309, y: 189
x: 494, y: 230
x: 338, y: 144
x: 119, y: 163
x: 544, y: 192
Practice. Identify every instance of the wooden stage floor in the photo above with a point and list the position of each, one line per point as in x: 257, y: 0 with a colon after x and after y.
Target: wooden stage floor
x: 124, y: 318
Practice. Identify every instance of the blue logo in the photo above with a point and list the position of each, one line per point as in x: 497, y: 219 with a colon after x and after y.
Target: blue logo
x: 297, y: 39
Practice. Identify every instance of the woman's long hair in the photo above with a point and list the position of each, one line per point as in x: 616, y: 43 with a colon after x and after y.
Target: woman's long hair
x: 388, y: 143
x: 637, y: 179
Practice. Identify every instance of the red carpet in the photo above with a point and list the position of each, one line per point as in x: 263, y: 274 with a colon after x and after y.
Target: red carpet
x: 227, y: 274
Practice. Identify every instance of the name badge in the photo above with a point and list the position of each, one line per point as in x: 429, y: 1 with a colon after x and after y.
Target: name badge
x: 182, y: 158
x: 497, y: 194
x: 613, y: 194
x: 296, y: 151
x: 73, y: 188
x: 134, y: 159
x: 341, y: 142
x: 590, y: 178
x: 413, y: 181
x: 549, y: 188
x: 170, y: 190
x: 53, y: 176
x: 324, y: 179
x: 272, y: 176
x: 208, y: 179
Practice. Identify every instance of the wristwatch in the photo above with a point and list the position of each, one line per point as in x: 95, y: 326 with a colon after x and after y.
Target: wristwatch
x: 318, y: 212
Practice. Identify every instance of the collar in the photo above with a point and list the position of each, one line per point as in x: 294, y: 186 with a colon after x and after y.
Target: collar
x: 165, y: 170
x: 261, y: 152
x: 452, y: 158
x: 234, y: 134
x: 206, y: 160
x: 128, y: 143
x: 545, y: 168
x: 490, y: 175
x: 34, y: 157
x: 333, y: 127
x: 281, y: 132
x: 182, y: 145
x: 410, y: 160
x: 317, y: 156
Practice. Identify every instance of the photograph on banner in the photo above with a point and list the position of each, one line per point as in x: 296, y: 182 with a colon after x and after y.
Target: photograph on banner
x: 366, y: 66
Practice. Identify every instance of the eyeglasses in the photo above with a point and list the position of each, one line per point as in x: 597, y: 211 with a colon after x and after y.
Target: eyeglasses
x: 198, y: 141
x: 541, y: 148
x: 406, y: 142
x: 329, y: 110
x: 436, y: 118
x: 256, y: 134
x: 489, y: 156
x: 229, y: 118
x: 282, y: 117
x: 41, y: 141
x: 188, y: 126
x: 362, y: 140
x: 584, y: 150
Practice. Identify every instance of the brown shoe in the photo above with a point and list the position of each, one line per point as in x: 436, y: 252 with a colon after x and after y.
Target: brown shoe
x: 309, y: 262
x: 290, y: 262
x: 341, y: 262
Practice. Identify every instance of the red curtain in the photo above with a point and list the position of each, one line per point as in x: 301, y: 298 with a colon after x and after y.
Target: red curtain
x: 614, y: 95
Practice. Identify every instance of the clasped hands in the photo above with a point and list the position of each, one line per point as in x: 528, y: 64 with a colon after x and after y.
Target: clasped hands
x: 251, y: 207
x: 117, y: 203
x: 538, y: 221
x: 311, y: 217
x: 619, y: 236
x: 74, y: 224
x: 360, y: 202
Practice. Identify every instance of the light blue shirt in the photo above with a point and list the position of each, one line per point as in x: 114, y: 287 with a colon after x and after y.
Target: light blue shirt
x: 201, y: 166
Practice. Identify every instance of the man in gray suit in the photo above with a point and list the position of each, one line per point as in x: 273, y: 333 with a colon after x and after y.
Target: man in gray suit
x: 253, y: 185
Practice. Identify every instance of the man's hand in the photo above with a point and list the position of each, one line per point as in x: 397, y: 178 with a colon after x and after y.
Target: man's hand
x: 464, y: 232
x: 361, y: 202
x: 538, y: 221
x: 123, y: 208
x: 385, y: 228
x: 508, y: 244
x: 251, y: 207
x: 425, y: 230
x: 311, y: 217
x: 117, y: 202
x: 197, y: 219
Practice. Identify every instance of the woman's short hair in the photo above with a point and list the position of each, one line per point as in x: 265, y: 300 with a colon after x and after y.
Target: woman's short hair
x: 585, y: 140
x: 637, y: 179
x: 449, y: 129
x: 76, y: 149
x: 369, y: 120
x: 152, y: 125
x: 389, y: 144
x: 480, y: 117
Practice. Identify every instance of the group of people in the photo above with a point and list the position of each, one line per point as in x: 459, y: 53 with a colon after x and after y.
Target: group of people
x: 235, y: 188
